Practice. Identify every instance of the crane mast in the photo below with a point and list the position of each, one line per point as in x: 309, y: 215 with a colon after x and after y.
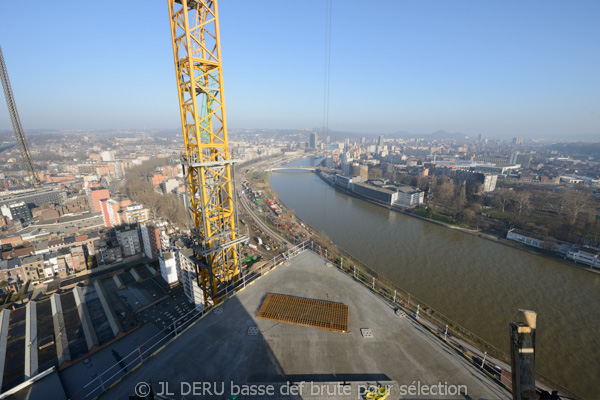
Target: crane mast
x: 16, y: 121
x: 207, y: 162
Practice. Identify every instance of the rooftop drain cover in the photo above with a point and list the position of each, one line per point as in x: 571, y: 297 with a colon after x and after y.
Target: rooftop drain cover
x: 218, y: 310
x: 308, y: 312
x: 367, y: 333
x: 252, y: 331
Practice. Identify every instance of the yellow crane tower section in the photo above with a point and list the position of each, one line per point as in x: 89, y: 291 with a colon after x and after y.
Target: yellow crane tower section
x: 207, y: 161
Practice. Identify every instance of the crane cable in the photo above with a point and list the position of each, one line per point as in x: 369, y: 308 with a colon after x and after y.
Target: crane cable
x: 326, y: 85
x: 327, y: 74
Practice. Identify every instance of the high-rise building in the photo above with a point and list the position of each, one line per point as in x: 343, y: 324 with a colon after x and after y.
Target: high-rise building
x: 110, y: 212
x: 20, y: 212
x: 150, y: 240
x: 380, y: 140
x: 189, y: 279
x: 313, y: 140
x: 129, y: 240
x: 168, y: 267
x: 489, y: 183
x: 522, y: 159
x: 169, y: 185
x: 107, y: 156
x: 96, y: 196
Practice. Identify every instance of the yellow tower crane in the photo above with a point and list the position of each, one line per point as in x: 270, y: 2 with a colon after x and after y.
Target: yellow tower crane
x: 207, y: 162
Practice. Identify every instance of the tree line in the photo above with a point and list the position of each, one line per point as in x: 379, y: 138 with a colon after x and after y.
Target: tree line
x: 141, y: 190
x: 568, y: 214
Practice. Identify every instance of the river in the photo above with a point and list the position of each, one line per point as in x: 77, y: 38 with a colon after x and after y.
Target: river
x: 477, y: 283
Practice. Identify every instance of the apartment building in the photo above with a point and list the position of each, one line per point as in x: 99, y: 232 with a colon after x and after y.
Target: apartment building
x: 129, y: 240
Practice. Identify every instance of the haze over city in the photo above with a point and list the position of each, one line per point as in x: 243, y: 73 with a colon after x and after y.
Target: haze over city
x: 400, y: 182
x: 500, y: 69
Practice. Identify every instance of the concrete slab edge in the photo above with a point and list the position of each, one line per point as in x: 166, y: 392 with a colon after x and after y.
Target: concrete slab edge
x: 108, y: 310
x: 118, y: 281
x: 86, y: 321
x: 135, y: 275
x: 5, y: 319
x: 60, y: 333
x: 153, y: 271
x: 160, y: 348
x: 31, y: 340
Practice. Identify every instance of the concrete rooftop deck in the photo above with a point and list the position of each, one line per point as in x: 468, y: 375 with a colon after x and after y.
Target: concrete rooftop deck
x: 218, y: 348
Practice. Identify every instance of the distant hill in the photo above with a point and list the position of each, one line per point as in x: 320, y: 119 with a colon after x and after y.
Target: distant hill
x: 577, y: 148
x: 439, y: 135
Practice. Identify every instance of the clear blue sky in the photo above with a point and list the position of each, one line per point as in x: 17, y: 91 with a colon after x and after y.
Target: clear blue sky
x: 497, y: 68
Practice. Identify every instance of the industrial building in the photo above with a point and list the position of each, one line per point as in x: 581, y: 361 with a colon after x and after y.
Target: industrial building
x: 381, y: 191
x: 37, y: 197
x: 64, y: 327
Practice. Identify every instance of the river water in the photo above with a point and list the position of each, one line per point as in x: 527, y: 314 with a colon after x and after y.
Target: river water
x: 477, y: 283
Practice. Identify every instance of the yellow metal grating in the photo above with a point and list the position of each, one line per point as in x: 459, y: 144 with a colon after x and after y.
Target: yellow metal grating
x: 307, y: 312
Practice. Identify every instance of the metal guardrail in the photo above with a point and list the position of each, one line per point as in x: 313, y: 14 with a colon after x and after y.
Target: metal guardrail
x: 129, y: 363
x: 447, y: 330
x: 481, y: 353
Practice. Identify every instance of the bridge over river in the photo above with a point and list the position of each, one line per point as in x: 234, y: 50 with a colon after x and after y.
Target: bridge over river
x: 292, y: 168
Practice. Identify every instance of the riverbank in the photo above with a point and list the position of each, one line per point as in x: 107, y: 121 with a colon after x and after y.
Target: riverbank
x: 480, y: 234
x: 470, y: 281
x: 322, y: 245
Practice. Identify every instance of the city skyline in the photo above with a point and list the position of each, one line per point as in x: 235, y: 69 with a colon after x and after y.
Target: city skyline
x: 509, y: 219
x: 500, y: 70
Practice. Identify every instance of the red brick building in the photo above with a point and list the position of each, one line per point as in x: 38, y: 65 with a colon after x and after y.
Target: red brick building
x: 96, y: 196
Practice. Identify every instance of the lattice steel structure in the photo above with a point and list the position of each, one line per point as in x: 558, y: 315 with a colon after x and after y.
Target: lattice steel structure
x: 207, y: 162
x: 16, y: 121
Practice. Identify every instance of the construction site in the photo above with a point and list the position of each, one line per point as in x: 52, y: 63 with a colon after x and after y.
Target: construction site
x: 296, y: 323
x: 379, y: 347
